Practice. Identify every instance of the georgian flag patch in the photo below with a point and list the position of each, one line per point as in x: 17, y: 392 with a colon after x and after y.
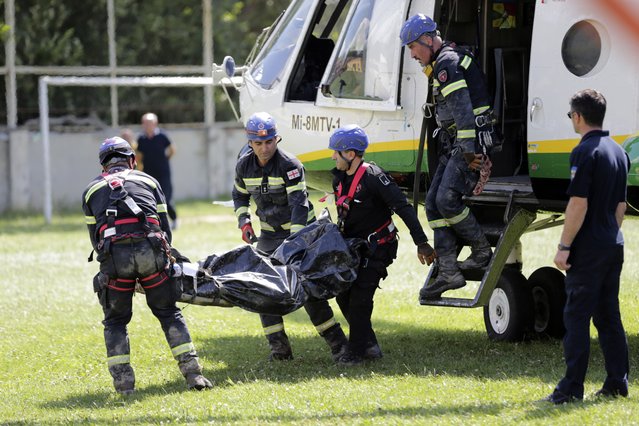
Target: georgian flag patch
x: 293, y: 174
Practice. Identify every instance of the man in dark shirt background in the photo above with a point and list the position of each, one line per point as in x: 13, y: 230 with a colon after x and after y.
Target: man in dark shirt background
x: 154, y: 151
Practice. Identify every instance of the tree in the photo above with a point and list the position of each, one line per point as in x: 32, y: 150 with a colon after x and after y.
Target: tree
x: 150, y: 32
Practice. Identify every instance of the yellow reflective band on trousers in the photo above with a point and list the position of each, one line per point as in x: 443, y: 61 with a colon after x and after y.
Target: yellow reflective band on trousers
x: 325, y: 326
x: 89, y: 220
x: 296, y: 227
x: 439, y: 223
x: 274, y: 328
x: 444, y: 222
x: 118, y: 359
x: 481, y: 109
x: 453, y: 86
x: 466, y: 134
x: 182, y: 349
x: 465, y: 63
x: 241, y: 210
x: 461, y: 216
x: 161, y: 208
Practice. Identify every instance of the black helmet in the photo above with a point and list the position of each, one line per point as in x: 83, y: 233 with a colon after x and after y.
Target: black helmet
x: 114, y: 146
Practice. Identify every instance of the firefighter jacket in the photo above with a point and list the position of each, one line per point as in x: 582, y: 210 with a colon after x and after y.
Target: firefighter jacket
x: 278, y: 190
x: 375, y: 200
x: 460, y: 94
x: 104, y: 201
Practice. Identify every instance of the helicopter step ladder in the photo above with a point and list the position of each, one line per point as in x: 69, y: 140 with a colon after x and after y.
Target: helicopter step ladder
x: 517, y: 224
x: 510, y: 196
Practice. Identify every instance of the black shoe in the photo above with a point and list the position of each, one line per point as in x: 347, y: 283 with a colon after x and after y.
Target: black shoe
x: 558, y: 398
x: 349, y: 359
x: 444, y: 282
x: 373, y: 352
x: 611, y: 393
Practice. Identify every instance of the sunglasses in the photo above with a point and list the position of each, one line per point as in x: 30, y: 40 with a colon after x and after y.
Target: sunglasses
x: 570, y: 113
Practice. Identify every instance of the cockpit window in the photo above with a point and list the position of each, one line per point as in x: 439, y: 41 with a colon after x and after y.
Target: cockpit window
x: 365, y: 68
x: 275, y: 55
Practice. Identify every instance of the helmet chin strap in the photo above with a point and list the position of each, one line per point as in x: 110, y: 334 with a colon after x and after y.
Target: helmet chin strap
x: 428, y: 46
x: 349, y: 162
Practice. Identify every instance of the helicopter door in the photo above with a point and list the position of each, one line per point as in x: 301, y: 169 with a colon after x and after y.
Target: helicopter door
x: 364, y: 73
x: 574, y: 46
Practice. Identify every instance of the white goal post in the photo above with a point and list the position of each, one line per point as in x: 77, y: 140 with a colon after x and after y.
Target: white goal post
x: 219, y: 79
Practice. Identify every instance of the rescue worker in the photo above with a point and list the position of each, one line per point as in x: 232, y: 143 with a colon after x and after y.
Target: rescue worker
x: 126, y: 213
x: 366, y: 198
x: 466, y: 136
x: 274, y: 179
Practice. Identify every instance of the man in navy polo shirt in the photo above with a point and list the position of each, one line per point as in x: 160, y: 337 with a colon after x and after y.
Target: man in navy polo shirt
x: 591, y: 252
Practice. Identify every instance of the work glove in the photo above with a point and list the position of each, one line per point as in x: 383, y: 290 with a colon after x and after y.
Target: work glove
x: 248, y: 235
x: 474, y: 161
x: 484, y: 174
x: 425, y: 253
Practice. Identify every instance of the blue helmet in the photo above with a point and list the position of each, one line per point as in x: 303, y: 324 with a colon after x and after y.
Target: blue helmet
x: 415, y: 26
x: 260, y: 127
x: 351, y: 137
x: 114, y: 146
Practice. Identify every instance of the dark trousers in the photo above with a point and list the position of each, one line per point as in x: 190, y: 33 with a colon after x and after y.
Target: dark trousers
x: 319, y: 311
x: 452, y: 180
x: 592, y: 289
x: 356, y: 303
x: 138, y: 260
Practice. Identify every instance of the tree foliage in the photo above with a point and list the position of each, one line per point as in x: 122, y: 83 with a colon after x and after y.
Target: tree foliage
x: 148, y: 33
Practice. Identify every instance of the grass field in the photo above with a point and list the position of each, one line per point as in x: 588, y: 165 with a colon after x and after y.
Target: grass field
x: 438, y: 366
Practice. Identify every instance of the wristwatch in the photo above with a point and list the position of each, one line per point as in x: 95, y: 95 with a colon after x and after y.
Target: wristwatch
x: 562, y: 247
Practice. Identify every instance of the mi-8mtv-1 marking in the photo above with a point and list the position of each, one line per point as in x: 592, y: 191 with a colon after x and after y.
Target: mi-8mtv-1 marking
x: 314, y: 123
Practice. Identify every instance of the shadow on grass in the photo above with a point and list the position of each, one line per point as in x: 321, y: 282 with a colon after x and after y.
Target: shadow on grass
x: 535, y: 410
x: 414, y: 350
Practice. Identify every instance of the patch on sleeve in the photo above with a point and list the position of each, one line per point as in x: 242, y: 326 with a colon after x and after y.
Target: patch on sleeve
x: 573, y: 172
x: 293, y: 174
x: 384, y: 179
x: 442, y: 76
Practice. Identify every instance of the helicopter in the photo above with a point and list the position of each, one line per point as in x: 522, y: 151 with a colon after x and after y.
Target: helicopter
x: 327, y: 63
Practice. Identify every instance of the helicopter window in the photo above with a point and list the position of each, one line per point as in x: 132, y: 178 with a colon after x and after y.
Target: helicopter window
x: 581, y: 48
x: 364, y: 67
x: 317, y: 50
x: 278, y: 50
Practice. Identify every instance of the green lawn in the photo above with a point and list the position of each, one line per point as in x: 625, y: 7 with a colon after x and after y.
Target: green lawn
x: 438, y: 366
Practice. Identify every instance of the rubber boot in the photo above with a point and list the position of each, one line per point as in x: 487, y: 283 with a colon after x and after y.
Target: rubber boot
x: 479, y: 257
x: 123, y: 378
x: 280, y: 346
x: 192, y: 371
x: 336, y: 340
x: 448, y: 278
